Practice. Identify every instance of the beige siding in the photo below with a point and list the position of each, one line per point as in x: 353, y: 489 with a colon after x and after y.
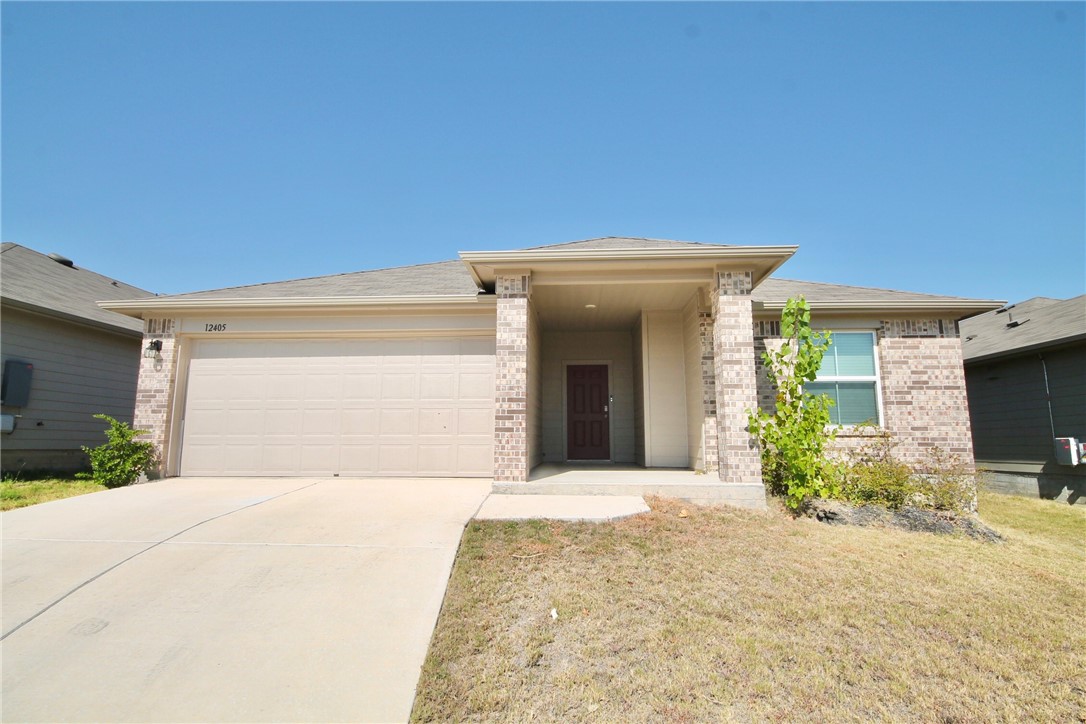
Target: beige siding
x: 665, y: 391
x: 692, y: 354
x: 78, y: 372
x: 639, y: 391
x: 612, y: 348
x: 535, y: 390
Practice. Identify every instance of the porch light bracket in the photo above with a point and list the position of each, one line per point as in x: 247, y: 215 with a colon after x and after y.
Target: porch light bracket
x: 153, y: 350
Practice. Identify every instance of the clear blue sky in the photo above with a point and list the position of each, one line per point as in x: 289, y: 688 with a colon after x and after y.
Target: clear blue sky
x: 930, y: 147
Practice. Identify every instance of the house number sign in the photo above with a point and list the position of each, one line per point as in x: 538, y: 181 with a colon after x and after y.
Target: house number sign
x: 215, y: 327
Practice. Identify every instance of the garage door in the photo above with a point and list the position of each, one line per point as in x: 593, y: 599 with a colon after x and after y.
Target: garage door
x: 340, y: 407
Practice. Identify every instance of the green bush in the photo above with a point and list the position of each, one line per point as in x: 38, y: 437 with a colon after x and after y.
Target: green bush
x: 793, y: 438
x: 872, y: 475
x: 122, y: 459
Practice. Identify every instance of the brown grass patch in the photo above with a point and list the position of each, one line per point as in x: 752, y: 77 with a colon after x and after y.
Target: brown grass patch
x: 730, y: 615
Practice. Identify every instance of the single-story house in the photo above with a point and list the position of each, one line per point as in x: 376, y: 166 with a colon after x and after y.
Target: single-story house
x: 65, y: 359
x: 1025, y: 372
x: 501, y: 364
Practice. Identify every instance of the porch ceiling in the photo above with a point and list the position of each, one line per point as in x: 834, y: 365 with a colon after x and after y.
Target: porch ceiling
x: 618, y: 306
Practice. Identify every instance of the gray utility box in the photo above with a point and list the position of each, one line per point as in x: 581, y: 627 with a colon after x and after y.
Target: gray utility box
x: 1068, y: 451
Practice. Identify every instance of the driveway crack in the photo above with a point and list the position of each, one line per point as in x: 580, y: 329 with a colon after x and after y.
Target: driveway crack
x: 94, y: 578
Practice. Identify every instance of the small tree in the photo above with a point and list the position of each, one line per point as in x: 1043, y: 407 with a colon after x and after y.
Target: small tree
x: 122, y: 459
x: 793, y: 438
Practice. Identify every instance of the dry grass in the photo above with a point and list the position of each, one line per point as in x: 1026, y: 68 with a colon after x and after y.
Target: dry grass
x: 21, y: 493
x: 729, y: 615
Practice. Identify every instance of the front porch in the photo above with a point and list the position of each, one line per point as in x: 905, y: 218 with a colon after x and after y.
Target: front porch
x: 626, y: 479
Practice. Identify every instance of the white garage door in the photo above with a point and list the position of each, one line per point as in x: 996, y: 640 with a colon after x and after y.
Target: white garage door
x: 340, y: 407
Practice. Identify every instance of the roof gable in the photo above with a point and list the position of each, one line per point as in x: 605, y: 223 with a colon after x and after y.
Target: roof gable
x: 624, y: 242
x: 32, y: 280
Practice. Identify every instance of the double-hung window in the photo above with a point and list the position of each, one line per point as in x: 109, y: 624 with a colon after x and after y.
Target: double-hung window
x: 849, y: 376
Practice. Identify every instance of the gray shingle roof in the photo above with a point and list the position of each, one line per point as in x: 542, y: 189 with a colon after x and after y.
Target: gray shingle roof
x: 623, y: 242
x: 32, y: 280
x: 778, y: 290
x: 443, y: 277
x: 1041, y: 322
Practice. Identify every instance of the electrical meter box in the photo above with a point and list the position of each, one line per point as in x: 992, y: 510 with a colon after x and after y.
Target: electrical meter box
x: 15, y: 389
x: 1068, y: 451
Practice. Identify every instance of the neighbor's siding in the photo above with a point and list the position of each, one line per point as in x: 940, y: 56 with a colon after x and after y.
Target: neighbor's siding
x: 1010, y: 414
x: 615, y: 348
x: 78, y: 372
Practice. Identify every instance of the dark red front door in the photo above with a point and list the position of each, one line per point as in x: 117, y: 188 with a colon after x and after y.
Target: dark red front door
x: 588, y: 407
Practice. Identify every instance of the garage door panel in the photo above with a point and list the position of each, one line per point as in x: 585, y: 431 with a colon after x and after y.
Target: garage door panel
x: 352, y: 407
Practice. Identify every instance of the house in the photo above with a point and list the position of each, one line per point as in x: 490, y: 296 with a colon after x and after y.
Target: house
x: 1025, y: 371
x: 65, y: 359
x: 629, y: 352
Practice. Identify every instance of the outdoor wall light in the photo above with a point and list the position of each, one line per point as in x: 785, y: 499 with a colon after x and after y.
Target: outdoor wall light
x: 154, y: 347
x: 590, y: 306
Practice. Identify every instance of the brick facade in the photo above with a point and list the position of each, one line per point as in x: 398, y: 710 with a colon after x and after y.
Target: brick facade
x: 922, y: 387
x: 736, y: 389
x: 154, y: 391
x: 511, y: 378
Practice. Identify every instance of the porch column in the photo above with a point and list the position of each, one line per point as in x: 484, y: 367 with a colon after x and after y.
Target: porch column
x: 736, y: 385
x: 514, y: 291
x: 154, y: 390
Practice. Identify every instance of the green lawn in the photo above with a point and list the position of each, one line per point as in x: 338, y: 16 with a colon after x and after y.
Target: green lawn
x: 21, y: 493
x: 694, y: 614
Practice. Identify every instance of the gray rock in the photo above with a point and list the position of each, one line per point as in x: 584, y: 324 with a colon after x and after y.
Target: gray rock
x: 836, y: 512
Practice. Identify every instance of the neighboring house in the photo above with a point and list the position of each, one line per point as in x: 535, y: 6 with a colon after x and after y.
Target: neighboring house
x: 64, y: 359
x: 615, y: 350
x: 1025, y: 368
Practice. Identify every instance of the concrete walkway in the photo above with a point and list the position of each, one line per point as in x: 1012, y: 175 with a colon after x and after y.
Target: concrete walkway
x: 595, y: 508
x: 227, y: 599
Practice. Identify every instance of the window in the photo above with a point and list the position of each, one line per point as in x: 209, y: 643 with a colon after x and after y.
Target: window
x: 849, y: 377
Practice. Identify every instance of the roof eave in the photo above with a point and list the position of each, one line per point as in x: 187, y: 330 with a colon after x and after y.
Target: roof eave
x: 966, y: 307
x: 72, y: 318
x: 1025, y: 349
x: 136, y: 307
x: 483, y: 265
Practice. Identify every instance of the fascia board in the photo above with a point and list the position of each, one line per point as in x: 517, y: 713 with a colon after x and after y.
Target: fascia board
x: 965, y: 306
x: 135, y: 307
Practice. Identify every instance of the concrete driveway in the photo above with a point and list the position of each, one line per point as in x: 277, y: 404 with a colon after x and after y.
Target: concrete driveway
x: 252, y: 600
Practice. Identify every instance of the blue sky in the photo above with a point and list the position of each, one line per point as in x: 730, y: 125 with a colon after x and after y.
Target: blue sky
x: 935, y: 147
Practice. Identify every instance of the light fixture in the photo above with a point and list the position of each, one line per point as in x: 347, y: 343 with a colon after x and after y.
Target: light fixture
x: 153, y: 349
x: 590, y: 306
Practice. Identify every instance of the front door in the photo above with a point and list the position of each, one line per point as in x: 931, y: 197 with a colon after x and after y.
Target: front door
x: 587, y: 411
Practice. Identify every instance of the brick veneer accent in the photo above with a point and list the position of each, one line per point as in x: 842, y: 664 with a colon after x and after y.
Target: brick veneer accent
x: 710, y: 442
x: 923, y: 387
x: 736, y: 388
x: 511, y: 378
x: 154, y: 391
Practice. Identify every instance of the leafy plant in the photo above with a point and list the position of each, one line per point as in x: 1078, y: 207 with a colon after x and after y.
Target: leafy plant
x: 122, y: 459
x: 793, y: 438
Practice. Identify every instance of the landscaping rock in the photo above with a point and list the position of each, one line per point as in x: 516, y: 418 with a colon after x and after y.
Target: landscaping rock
x: 942, y: 522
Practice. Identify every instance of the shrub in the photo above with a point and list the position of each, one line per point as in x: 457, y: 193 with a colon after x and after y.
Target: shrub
x: 122, y: 459
x: 793, y: 438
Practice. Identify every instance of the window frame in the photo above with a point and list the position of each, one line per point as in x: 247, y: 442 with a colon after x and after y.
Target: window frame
x: 876, y: 378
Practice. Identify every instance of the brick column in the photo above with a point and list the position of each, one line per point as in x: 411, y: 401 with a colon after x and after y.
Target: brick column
x: 154, y: 392
x: 736, y: 385
x: 708, y: 392
x: 511, y: 382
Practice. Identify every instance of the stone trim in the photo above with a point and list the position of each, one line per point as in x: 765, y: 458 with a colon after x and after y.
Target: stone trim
x: 909, y: 328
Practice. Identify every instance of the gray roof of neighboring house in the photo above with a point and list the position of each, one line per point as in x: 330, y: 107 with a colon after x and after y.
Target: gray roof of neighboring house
x: 452, y: 278
x: 31, y: 280
x: 1035, y: 323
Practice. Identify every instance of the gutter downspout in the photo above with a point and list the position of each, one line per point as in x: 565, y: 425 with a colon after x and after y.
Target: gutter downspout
x: 1048, y: 395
